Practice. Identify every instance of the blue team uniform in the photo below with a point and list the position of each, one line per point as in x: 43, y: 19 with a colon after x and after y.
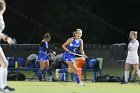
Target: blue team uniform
x: 42, y: 56
x: 72, y: 47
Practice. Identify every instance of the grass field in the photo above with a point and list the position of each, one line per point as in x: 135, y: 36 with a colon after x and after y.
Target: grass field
x: 72, y: 87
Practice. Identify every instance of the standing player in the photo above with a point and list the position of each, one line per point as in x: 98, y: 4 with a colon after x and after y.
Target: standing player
x: 3, y: 60
x: 43, y: 58
x: 132, y: 56
x: 70, y: 47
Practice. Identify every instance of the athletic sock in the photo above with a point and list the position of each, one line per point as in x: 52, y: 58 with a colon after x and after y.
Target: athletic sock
x: 126, y: 76
x: 39, y: 73
x: 49, y: 71
x: 3, y: 77
x: 44, y: 75
x: 77, y: 78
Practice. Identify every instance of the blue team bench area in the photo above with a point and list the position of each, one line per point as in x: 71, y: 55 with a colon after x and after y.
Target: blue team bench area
x: 93, y: 65
x: 19, y: 64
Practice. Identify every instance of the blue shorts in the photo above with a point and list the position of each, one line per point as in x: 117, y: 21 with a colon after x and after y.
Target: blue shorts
x: 43, y: 57
x: 69, y: 57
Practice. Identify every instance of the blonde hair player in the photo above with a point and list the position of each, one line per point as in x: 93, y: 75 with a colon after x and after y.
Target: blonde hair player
x: 3, y: 60
x: 132, y: 56
x: 70, y: 47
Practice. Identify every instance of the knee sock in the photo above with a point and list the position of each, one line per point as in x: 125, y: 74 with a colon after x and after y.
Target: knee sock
x: 126, y: 76
x: 62, y: 76
x: 44, y: 75
x: 39, y: 73
x: 3, y: 77
x: 49, y: 71
x: 77, y: 78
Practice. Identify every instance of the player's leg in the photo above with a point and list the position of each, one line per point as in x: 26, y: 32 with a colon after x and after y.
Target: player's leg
x: 3, y: 72
x: 126, y: 72
x: 41, y: 69
x: 136, y: 68
x: 75, y: 70
x: 49, y: 70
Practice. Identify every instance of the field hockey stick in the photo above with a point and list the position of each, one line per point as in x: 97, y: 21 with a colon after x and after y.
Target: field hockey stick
x: 72, y: 53
x: 80, y: 55
x: 14, y: 41
x: 77, y: 54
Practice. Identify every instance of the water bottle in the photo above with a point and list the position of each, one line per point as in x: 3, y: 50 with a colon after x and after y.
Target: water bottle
x: 16, y: 64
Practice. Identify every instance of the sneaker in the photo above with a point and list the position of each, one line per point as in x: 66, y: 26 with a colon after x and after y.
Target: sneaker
x: 81, y: 84
x: 57, y: 74
x: 7, y: 88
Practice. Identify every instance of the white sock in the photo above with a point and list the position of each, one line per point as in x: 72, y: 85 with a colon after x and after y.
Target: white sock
x: 3, y: 77
x: 138, y: 73
x: 126, y: 76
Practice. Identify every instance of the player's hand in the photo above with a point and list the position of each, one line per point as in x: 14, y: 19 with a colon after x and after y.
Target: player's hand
x: 69, y: 52
x: 10, y: 40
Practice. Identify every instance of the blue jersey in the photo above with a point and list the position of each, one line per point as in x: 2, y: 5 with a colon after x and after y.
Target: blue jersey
x: 43, y: 51
x: 72, y: 47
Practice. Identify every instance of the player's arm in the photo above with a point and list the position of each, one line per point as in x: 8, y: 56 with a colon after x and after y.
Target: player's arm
x: 133, y: 46
x: 46, y: 48
x: 64, y: 46
x: 82, y: 50
x: 6, y: 38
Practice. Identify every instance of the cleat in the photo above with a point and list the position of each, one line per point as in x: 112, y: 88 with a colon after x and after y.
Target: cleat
x: 124, y: 82
x: 81, y: 84
x: 7, y: 89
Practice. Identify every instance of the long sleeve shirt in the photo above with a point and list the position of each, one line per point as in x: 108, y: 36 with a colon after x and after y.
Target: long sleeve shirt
x: 133, y: 49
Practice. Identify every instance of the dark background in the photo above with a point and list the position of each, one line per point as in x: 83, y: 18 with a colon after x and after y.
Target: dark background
x: 102, y: 21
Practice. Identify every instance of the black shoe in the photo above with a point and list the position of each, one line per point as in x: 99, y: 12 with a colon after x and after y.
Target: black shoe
x: 7, y: 88
x: 124, y: 82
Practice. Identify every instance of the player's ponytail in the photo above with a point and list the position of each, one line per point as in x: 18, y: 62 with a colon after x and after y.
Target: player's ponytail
x: 74, y: 33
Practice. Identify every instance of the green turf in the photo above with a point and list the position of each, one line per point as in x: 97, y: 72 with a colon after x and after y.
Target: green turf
x: 72, y: 87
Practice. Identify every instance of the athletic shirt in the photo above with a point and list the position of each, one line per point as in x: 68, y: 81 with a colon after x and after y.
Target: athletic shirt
x: 43, y: 47
x: 133, y: 52
x: 2, y: 24
x: 74, y: 45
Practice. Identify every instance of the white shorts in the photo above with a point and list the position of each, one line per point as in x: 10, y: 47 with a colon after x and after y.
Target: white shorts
x: 132, y: 61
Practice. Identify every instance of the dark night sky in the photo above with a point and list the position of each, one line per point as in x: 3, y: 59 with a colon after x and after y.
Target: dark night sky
x: 102, y: 21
